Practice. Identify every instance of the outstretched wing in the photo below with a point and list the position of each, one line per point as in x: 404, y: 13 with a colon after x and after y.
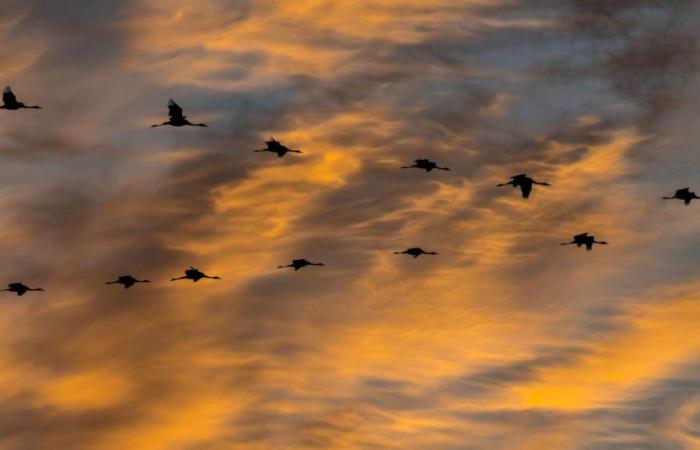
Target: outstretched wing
x: 680, y: 192
x: 526, y: 188
x: 8, y: 97
x: 174, y: 110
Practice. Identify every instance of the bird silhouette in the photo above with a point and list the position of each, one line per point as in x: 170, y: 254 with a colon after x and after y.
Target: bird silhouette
x: 176, y: 117
x: 584, y: 239
x: 415, y: 252
x: 9, y: 101
x: 524, y: 182
x: 275, y: 146
x: 299, y: 263
x: 194, y: 275
x: 127, y: 281
x: 683, y: 194
x: 19, y: 288
x: 425, y: 164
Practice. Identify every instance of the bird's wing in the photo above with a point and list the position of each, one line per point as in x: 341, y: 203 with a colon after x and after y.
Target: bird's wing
x: 526, y: 188
x: 682, y: 191
x: 174, y: 110
x: 8, y: 97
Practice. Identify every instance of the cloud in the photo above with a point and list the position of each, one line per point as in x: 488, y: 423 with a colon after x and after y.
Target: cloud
x: 504, y: 340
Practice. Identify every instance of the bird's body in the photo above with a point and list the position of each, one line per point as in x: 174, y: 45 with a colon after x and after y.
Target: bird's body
x: 684, y: 194
x: 425, y: 164
x: 415, y: 252
x: 177, y: 119
x: 19, y: 288
x: 9, y: 101
x: 127, y: 281
x: 194, y: 275
x: 275, y: 146
x: 584, y: 239
x: 524, y: 183
x: 297, y: 264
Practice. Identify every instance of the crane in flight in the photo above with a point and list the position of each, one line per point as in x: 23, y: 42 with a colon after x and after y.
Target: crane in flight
x: 176, y: 117
x: 524, y: 182
x: 194, y: 275
x: 19, y: 288
x: 425, y: 164
x: 297, y: 264
x: 9, y: 101
x: 684, y: 194
x: 584, y: 239
x: 127, y: 281
x: 415, y: 252
x: 275, y: 146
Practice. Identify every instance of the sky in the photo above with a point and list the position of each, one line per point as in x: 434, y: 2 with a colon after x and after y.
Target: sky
x: 505, y: 340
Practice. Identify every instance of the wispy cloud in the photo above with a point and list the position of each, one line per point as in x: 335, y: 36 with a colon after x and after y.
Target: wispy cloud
x: 504, y: 340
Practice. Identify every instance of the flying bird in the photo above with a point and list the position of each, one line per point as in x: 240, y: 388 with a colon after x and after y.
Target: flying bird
x: 415, y: 252
x: 425, y: 164
x: 524, y: 182
x: 584, y: 239
x: 683, y: 194
x: 176, y: 117
x: 299, y: 263
x: 19, y: 288
x: 127, y: 281
x: 194, y: 275
x: 275, y: 146
x: 9, y: 101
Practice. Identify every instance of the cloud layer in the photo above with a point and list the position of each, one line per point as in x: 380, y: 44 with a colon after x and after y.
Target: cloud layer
x: 505, y: 340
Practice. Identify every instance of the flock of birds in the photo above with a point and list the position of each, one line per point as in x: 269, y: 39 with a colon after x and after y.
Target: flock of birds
x: 176, y: 118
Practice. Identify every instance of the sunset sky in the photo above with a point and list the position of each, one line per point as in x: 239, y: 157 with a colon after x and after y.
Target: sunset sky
x: 505, y: 340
